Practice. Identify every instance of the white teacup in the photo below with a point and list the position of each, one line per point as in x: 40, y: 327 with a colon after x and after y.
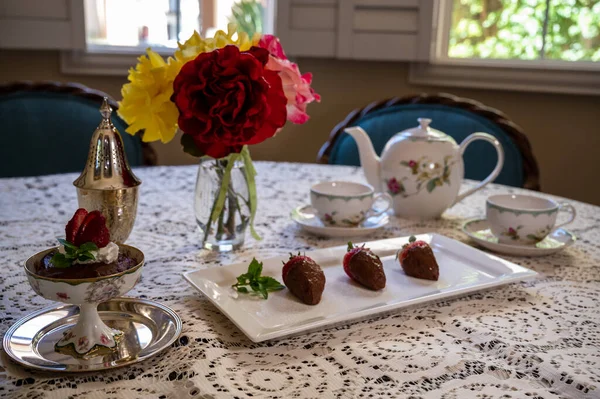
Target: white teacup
x: 523, y: 219
x: 346, y: 204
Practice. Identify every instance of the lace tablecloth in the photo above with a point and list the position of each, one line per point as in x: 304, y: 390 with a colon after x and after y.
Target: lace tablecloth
x: 539, y: 339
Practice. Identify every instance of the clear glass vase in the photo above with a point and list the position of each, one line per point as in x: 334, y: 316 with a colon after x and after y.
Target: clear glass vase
x: 226, y: 229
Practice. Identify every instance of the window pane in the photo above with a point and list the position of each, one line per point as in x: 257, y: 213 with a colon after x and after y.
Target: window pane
x: 164, y: 22
x: 501, y: 29
x: 250, y: 16
x: 140, y: 22
x: 573, y: 30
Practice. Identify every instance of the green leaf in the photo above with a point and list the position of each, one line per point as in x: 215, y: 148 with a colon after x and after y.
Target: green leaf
x: 67, y: 244
x: 86, y: 256
x: 189, y: 146
x: 403, y: 163
x: 260, y: 285
x: 270, y: 284
x: 255, y: 269
x: 60, y: 261
x: 431, y: 185
x: 242, y: 279
x: 264, y: 293
x: 88, y: 246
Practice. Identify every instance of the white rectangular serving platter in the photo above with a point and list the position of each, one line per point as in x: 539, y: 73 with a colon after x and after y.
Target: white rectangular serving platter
x: 463, y: 270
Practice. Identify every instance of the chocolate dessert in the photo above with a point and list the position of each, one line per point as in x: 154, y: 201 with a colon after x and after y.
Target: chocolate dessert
x: 304, y: 278
x: 87, y: 251
x: 365, y: 267
x: 88, y: 270
x: 417, y: 260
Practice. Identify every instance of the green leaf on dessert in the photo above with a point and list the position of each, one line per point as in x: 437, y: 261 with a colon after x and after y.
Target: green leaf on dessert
x: 85, y: 256
x: 67, y: 244
x: 260, y: 285
x: 88, y: 246
x: 60, y: 261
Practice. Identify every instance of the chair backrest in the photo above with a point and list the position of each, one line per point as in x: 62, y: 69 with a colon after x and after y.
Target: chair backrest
x: 455, y: 116
x: 47, y: 127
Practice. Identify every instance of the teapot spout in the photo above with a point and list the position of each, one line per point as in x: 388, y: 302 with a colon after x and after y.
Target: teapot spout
x: 368, y: 158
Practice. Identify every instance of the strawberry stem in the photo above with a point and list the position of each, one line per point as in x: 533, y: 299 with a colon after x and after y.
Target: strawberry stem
x: 350, y: 246
x: 412, y: 239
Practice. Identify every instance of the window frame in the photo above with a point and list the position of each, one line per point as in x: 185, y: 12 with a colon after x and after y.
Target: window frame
x: 541, y: 75
x: 109, y: 60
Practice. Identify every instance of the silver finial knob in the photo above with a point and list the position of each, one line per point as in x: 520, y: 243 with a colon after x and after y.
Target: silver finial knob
x: 105, y: 109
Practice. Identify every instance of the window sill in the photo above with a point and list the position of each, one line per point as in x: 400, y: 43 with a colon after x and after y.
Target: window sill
x: 104, y: 60
x: 533, y: 78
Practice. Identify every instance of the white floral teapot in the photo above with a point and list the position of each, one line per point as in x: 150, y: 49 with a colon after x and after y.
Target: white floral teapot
x: 422, y: 168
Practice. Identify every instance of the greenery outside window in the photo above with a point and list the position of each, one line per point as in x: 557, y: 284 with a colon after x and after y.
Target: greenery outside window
x: 553, y: 33
x: 528, y: 45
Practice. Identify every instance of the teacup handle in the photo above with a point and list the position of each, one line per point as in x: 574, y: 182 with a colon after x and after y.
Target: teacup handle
x: 567, y: 208
x: 494, y: 141
x: 376, y: 197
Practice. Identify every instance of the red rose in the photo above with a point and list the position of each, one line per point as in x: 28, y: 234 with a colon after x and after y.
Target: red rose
x: 227, y: 99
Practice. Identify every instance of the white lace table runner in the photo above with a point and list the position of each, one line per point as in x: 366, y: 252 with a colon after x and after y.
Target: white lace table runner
x: 539, y: 339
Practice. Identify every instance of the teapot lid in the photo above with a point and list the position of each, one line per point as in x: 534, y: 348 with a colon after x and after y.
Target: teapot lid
x: 425, y: 132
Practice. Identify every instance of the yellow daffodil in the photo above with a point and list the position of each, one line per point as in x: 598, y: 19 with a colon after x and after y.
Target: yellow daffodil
x: 146, y: 100
x: 146, y: 103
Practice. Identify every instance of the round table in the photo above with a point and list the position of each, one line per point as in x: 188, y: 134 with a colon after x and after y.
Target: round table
x: 536, y: 339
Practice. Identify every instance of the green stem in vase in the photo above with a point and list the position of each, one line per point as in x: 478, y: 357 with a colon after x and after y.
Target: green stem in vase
x: 233, y: 207
x: 250, y: 172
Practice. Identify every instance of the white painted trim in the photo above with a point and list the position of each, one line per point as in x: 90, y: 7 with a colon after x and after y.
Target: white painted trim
x: 502, y: 78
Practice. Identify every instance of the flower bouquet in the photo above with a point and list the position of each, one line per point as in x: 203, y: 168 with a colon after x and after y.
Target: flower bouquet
x: 224, y: 93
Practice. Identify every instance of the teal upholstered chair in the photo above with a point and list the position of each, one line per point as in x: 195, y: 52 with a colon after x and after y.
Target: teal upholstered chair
x: 46, y: 128
x: 455, y: 116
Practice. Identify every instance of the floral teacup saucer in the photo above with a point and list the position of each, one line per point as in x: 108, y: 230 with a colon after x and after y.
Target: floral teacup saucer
x: 306, y: 217
x: 479, y: 231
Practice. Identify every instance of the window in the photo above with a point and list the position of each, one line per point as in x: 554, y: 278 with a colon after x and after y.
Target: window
x: 525, y: 45
x: 561, y: 30
x: 128, y: 25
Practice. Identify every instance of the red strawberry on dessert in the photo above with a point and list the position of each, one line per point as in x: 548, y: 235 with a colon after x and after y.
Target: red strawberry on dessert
x: 304, y: 278
x: 363, y: 266
x: 74, y: 224
x: 87, y: 227
x: 417, y: 260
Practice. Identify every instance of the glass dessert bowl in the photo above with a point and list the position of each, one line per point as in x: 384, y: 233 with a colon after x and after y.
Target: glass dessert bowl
x: 85, y: 275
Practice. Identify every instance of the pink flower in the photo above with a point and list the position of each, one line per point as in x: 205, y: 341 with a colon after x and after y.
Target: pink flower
x: 295, y: 86
x: 394, y: 186
x: 511, y: 231
x: 412, y: 164
x: 104, y: 339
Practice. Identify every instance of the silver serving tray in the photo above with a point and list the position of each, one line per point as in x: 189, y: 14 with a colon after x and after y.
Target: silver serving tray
x: 149, y: 328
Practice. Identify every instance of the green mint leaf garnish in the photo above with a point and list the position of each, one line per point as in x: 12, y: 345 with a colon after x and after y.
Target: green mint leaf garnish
x: 67, y: 244
x: 260, y: 285
x: 254, y: 269
x: 270, y: 283
x: 88, y: 246
x: 60, y: 261
x: 73, y: 253
x: 85, y: 256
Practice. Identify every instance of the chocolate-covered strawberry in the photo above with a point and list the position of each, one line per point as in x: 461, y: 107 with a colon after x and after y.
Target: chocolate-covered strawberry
x: 304, y: 278
x: 363, y: 266
x: 417, y: 260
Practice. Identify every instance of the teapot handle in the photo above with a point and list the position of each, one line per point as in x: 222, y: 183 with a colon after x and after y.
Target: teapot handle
x: 491, y: 139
